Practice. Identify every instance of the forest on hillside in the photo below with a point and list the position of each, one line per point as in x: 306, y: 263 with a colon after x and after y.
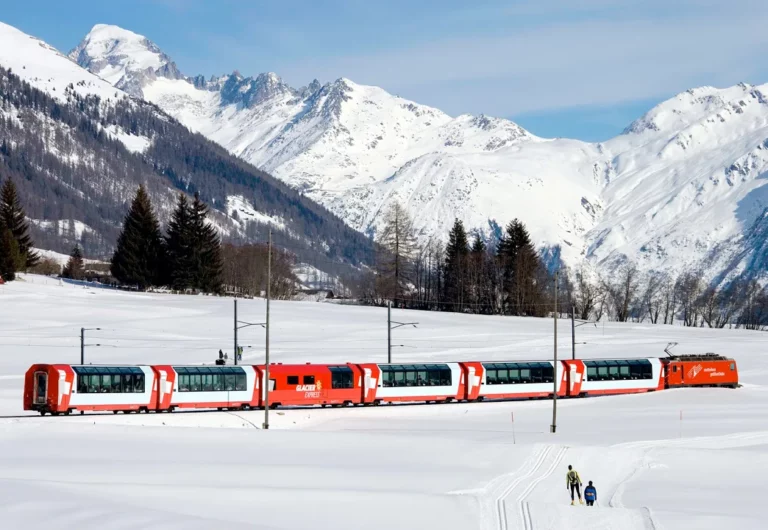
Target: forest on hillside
x: 77, y: 178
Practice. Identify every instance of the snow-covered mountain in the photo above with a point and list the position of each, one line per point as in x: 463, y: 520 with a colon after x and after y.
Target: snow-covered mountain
x: 78, y: 147
x: 682, y: 187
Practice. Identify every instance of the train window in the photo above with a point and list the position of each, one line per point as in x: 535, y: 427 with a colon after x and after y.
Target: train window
x: 733, y: 366
x: 293, y: 379
x: 619, y: 370
x: 341, y: 377
x: 109, y: 379
x: 413, y: 375
x: 82, y: 384
x: 518, y: 373
x: 209, y: 379
x: 309, y: 380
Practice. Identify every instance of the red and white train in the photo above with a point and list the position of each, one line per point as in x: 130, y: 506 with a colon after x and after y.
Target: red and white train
x: 62, y: 388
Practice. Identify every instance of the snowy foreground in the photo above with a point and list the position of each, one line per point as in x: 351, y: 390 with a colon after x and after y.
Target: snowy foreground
x: 460, y: 466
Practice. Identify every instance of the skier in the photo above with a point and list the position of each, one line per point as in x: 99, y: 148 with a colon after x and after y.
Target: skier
x: 573, y: 481
x: 590, y: 494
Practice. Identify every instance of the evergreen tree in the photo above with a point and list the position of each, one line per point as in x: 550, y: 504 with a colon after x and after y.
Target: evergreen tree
x: 139, y: 256
x: 208, y: 267
x: 9, y: 255
x: 520, y: 265
x: 178, y: 242
x: 75, y: 268
x: 456, y: 251
x: 14, y: 219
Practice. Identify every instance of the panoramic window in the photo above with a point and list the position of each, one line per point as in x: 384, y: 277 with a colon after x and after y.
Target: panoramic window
x: 410, y: 375
x: 109, y: 380
x: 518, y: 373
x: 211, y: 379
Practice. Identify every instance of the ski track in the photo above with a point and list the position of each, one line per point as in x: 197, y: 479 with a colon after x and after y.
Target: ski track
x: 524, y: 506
x: 493, y: 496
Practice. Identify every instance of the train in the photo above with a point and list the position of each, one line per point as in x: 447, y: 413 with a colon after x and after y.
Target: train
x: 58, y: 389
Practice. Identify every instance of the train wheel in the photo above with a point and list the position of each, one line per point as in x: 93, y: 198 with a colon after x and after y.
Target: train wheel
x: 42, y: 413
x: 115, y: 411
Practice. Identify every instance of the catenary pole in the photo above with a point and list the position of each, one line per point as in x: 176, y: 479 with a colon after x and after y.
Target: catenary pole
x: 266, y: 359
x: 389, y: 332
x: 235, y: 350
x: 82, y: 345
x: 573, y: 332
x: 553, y: 427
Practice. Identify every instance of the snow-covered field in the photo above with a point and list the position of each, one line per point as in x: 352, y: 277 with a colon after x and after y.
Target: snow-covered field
x: 409, y: 466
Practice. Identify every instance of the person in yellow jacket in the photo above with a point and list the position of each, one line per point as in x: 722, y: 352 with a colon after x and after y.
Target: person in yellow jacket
x: 572, y: 482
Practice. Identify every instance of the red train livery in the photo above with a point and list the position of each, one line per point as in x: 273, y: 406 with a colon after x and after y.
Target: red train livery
x: 62, y: 388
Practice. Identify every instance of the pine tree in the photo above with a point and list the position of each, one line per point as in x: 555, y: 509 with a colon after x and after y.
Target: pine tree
x: 456, y: 251
x: 14, y: 219
x: 207, y: 263
x: 520, y: 265
x: 9, y: 255
x: 178, y: 242
x: 140, y: 254
x: 75, y: 268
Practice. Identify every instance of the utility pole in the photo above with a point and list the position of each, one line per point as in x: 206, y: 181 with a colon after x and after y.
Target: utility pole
x: 266, y: 356
x: 556, y: 379
x: 82, y: 342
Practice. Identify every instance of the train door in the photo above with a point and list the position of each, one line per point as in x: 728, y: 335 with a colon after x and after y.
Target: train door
x: 674, y: 374
x: 41, y: 388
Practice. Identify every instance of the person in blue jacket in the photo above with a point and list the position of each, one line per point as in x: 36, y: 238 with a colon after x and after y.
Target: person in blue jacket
x: 590, y: 494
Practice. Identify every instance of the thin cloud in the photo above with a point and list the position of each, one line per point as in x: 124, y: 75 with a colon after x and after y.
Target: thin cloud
x: 562, y: 65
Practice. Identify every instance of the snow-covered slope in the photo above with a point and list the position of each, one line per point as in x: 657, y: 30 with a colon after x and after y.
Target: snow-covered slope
x: 680, y: 188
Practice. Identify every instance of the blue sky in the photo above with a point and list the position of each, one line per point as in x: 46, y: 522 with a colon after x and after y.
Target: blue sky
x: 570, y: 68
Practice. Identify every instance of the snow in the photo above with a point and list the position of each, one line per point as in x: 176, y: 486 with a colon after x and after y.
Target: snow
x: 106, y: 40
x: 245, y: 213
x: 60, y: 258
x: 403, y: 466
x: 64, y: 226
x: 133, y: 142
x: 46, y: 68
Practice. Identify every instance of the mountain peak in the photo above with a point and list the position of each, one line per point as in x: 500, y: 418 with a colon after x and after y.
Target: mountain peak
x: 125, y: 59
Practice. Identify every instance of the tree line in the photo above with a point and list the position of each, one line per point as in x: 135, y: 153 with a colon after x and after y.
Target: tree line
x: 509, y: 277
x: 464, y: 274
x: 187, y: 257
